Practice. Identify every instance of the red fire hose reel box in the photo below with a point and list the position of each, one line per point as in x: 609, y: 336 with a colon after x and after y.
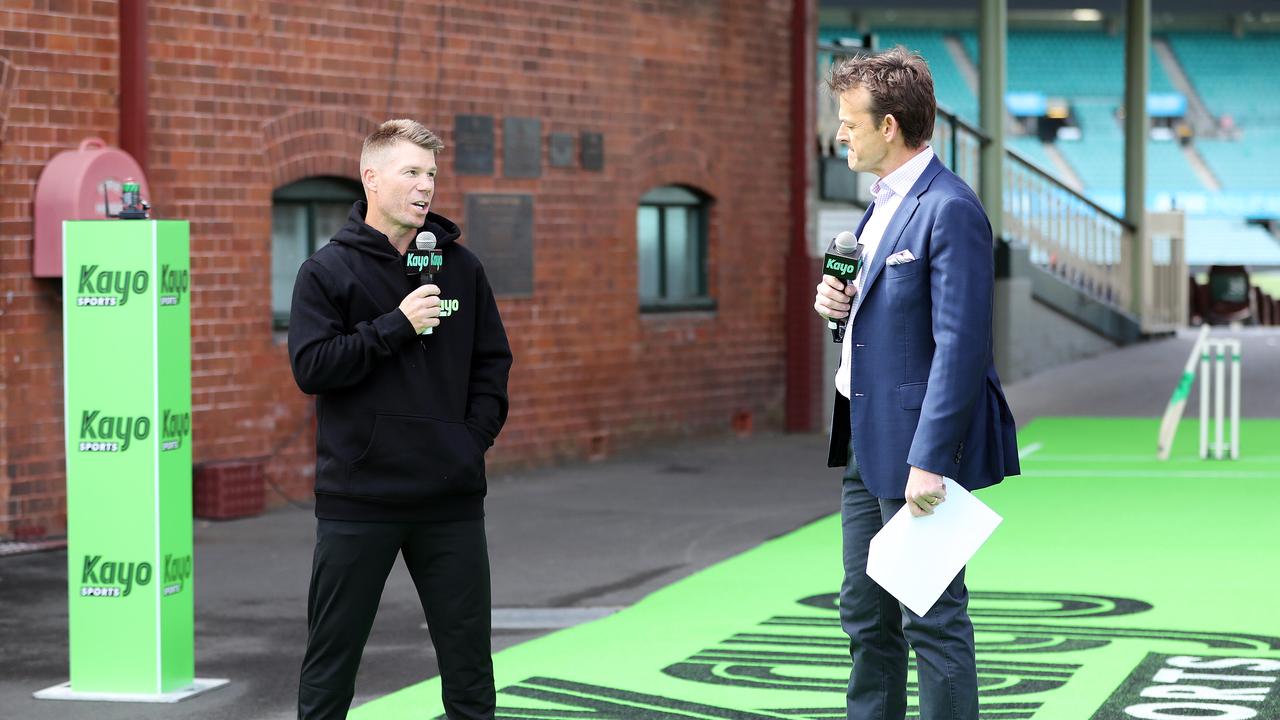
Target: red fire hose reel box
x: 82, y: 184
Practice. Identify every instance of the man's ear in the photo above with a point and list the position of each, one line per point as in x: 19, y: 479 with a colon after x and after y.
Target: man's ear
x: 890, y: 128
x: 369, y: 178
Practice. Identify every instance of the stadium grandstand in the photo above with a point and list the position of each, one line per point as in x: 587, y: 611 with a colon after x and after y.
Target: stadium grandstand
x: 1214, y: 139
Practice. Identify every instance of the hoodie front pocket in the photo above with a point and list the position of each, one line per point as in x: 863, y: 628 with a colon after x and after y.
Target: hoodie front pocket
x: 411, y: 457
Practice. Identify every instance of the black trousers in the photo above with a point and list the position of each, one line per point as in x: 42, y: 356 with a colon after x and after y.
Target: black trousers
x: 449, y: 563
x: 880, y: 628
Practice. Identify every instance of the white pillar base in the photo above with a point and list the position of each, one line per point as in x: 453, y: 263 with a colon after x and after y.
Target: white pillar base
x: 63, y: 691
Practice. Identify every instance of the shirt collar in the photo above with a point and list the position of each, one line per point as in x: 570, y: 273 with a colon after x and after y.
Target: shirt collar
x: 900, y: 181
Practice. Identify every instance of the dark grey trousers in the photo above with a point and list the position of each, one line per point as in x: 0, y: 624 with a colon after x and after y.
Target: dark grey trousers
x: 880, y: 629
x: 449, y: 563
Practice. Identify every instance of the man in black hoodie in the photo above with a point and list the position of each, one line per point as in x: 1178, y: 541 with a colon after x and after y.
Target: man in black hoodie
x: 404, y: 420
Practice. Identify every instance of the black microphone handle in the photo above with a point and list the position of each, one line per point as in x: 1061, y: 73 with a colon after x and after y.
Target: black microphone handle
x: 837, y: 326
x: 426, y: 278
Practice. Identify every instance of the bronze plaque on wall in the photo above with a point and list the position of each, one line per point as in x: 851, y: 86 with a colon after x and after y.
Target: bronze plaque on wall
x: 592, y: 151
x: 560, y: 150
x: 473, y: 141
x: 499, y: 231
x: 521, y: 147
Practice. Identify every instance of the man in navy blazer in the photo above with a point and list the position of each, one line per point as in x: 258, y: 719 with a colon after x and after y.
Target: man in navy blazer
x: 918, y: 397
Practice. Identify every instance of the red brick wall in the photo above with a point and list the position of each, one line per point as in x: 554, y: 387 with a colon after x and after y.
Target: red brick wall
x: 248, y: 96
x: 59, y: 66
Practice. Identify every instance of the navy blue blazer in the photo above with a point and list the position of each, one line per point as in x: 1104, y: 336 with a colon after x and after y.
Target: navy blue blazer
x: 923, y: 383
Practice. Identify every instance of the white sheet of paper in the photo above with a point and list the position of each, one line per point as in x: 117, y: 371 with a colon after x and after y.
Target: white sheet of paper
x: 916, y: 558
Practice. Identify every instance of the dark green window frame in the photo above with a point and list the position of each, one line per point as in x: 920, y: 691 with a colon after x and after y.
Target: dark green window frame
x: 658, y: 290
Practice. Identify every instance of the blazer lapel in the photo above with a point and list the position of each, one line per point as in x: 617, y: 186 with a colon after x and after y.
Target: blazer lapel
x: 901, y: 217
x: 865, y: 217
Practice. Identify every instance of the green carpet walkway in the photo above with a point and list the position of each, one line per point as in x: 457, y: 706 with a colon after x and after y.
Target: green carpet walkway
x: 1117, y: 587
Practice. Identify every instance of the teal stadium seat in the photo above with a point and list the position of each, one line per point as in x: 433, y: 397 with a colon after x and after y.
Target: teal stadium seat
x: 1098, y: 157
x: 1229, y: 241
x: 1233, y: 75
x: 1251, y: 163
x: 1236, y: 77
x: 1076, y: 65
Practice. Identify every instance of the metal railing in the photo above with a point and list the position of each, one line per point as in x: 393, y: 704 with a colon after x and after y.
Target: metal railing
x: 1093, y: 249
x: 1067, y: 234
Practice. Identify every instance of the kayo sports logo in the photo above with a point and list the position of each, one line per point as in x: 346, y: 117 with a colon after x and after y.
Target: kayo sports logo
x: 424, y: 261
x: 841, y: 268
x: 1191, y: 686
x: 174, y: 283
x: 1021, y: 640
x: 100, y: 288
x: 448, y: 306
x: 111, y: 433
x: 112, y: 578
x: 173, y: 427
x: 177, y: 570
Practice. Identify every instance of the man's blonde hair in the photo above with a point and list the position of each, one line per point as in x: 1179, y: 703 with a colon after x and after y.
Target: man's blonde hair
x: 393, y: 131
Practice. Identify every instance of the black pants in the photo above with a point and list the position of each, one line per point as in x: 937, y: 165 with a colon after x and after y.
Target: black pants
x: 449, y: 563
x: 880, y: 628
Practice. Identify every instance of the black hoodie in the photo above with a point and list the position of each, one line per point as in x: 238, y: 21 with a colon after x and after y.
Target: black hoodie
x: 403, y: 420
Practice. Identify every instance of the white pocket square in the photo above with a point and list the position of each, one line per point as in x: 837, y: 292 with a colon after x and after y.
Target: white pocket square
x: 900, y: 257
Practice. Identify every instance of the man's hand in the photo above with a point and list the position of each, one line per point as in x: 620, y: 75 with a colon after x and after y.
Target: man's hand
x: 422, y: 307
x: 834, y: 298
x: 925, y: 491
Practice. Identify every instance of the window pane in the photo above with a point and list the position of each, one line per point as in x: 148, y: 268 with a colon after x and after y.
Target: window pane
x: 678, y: 245
x: 288, y: 249
x: 697, y: 253
x: 330, y: 217
x: 647, y: 241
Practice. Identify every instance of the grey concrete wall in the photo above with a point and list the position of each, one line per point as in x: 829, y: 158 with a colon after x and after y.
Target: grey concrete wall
x: 1031, y: 336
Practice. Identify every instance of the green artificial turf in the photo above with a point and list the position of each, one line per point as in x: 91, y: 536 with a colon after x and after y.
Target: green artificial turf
x: 1118, y: 586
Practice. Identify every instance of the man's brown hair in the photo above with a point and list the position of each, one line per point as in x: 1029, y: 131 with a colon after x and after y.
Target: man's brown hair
x: 900, y: 85
x: 393, y: 131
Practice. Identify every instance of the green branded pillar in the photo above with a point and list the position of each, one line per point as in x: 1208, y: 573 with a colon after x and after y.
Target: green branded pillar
x: 127, y: 330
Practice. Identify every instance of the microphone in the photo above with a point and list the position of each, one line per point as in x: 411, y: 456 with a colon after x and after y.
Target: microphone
x: 424, y: 260
x: 843, y: 260
x: 425, y: 244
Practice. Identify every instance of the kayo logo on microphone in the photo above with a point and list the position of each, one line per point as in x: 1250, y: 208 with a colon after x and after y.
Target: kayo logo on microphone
x: 840, y: 268
x: 424, y: 261
x: 448, y: 306
x: 174, y: 283
x: 109, y: 288
x: 111, y: 433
